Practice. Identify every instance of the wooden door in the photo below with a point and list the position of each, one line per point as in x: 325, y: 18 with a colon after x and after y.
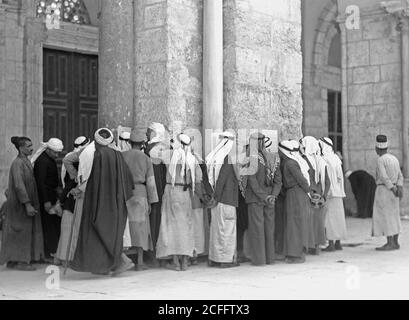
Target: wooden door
x: 70, y: 91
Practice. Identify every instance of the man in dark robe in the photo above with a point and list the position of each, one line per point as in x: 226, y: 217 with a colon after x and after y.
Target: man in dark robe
x: 157, y: 136
x: 46, y: 175
x: 109, y: 187
x: 363, y: 187
x: 262, y: 190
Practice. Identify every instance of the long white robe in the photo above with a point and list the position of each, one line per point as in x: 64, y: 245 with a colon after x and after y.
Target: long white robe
x: 386, y: 212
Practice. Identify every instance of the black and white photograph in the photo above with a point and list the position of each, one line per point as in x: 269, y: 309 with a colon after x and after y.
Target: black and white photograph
x: 204, y: 151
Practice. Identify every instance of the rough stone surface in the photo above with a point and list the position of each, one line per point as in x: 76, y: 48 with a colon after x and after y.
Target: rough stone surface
x: 116, y: 61
x: 264, y: 66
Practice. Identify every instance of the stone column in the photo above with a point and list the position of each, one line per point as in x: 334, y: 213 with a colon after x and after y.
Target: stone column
x: 212, y: 69
x: 400, y: 10
x: 404, y: 24
x: 116, y: 62
x: 344, y: 93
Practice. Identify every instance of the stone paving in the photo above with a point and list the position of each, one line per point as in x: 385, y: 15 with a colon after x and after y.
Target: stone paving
x: 358, y: 272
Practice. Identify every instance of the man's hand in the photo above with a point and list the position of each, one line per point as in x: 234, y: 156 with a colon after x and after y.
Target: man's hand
x: 270, y: 201
x: 31, y: 212
x: 76, y: 193
x: 47, y: 206
x: 399, y: 192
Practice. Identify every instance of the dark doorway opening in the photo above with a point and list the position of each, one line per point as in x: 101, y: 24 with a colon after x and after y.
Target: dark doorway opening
x: 335, y: 119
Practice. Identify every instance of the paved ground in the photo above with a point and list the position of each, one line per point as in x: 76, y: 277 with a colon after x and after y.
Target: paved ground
x: 358, y: 272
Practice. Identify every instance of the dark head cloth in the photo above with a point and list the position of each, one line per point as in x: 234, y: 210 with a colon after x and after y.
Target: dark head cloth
x: 381, y: 138
x: 382, y: 142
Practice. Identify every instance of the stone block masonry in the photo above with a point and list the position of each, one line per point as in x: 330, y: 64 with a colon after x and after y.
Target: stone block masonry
x: 374, y: 88
x: 263, y: 66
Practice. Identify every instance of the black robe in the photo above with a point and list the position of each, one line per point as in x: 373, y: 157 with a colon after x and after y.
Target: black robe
x: 68, y: 201
x: 159, y: 171
x: 363, y: 187
x: 100, y: 240
x: 46, y: 175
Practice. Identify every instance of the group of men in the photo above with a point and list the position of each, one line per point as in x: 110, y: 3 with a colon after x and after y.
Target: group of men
x: 150, y: 197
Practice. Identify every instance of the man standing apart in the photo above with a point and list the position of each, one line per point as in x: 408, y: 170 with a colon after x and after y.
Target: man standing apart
x: 22, y: 235
x: 389, y: 180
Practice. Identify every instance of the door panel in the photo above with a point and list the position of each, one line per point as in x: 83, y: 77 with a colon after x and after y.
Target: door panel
x: 70, y: 96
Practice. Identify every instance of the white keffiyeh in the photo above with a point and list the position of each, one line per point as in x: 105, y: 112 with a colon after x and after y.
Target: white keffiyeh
x: 215, y: 159
x: 291, y: 148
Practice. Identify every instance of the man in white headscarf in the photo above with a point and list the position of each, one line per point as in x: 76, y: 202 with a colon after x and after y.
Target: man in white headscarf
x: 69, y: 172
x: 386, y: 212
x: 123, y: 141
x: 263, y: 188
x: 335, y: 224
x: 176, y: 236
x: 46, y: 175
x: 296, y: 183
x: 158, y: 145
x: 320, y: 183
x: 223, y: 227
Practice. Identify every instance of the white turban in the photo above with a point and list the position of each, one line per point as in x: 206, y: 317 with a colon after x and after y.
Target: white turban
x: 102, y: 141
x: 53, y: 144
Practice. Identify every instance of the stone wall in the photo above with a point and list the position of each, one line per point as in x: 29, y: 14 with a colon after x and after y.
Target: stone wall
x: 168, y: 72
x: 11, y: 85
x: 373, y: 69
x: 319, y: 77
x: 263, y: 65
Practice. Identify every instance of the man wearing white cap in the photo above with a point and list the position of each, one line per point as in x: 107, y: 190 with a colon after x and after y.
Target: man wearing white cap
x: 223, y: 227
x: 46, y: 175
x: 386, y: 211
x: 123, y: 141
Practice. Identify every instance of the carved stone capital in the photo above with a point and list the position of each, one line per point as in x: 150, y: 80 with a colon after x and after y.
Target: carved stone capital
x: 400, y: 10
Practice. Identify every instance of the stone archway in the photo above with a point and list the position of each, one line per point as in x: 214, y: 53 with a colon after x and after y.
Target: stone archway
x: 321, y: 77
